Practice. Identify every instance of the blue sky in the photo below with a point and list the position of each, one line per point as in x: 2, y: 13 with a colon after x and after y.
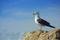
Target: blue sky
x: 17, y: 15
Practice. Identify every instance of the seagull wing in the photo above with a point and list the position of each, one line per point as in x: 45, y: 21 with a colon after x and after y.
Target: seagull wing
x: 43, y: 22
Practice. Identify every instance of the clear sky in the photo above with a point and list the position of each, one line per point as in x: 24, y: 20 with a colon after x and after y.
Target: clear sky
x: 17, y: 15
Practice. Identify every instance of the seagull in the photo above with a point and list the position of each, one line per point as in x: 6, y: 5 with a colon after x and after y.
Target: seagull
x: 41, y: 22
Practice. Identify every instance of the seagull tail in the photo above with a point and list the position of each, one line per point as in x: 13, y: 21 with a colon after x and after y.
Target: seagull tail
x: 51, y: 26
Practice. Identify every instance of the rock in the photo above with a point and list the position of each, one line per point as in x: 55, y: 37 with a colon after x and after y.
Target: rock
x: 43, y: 35
x: 34, y: 35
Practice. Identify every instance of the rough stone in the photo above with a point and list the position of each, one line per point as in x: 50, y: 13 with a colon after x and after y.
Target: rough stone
x: 43, y: 35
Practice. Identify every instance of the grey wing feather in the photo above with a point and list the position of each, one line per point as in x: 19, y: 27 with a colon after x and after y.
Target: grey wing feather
x: 43, y: 22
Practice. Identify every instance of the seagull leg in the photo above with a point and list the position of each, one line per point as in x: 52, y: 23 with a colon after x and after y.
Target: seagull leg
x: 41, y: 27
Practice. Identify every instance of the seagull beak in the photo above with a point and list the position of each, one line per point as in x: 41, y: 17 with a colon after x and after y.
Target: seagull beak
x: 33, y: 13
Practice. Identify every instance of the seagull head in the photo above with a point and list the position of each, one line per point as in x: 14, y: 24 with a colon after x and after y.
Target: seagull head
x: 36, y: 13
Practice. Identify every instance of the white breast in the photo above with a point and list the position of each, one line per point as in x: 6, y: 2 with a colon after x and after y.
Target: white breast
x: 38, y: 23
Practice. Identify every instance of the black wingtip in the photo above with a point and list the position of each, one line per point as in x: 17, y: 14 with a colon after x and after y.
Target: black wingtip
x: 51, y: 26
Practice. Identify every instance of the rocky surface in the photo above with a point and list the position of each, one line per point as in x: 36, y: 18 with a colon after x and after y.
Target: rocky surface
x: 43, y: 35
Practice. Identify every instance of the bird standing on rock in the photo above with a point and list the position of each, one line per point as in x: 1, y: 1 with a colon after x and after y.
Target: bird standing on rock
x: 39, y: 21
